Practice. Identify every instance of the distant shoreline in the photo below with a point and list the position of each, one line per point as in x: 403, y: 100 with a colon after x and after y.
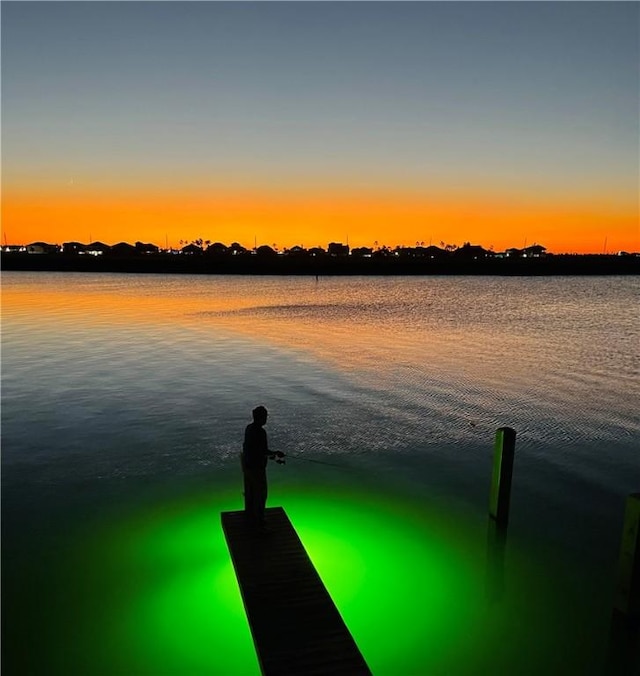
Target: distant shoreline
x: 563, y: 264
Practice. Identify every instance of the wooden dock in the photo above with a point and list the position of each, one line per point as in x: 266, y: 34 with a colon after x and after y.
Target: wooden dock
x: 296, y: 626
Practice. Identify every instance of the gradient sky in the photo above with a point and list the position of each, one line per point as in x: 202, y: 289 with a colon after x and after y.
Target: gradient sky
x: 307, y: 122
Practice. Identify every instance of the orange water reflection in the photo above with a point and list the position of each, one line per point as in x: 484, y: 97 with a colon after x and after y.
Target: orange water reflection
x: 411, y: 330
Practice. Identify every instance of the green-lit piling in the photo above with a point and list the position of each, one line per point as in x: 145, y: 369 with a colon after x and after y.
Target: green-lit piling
x: 627, y: 598
x: 623, y: 654
x: 496, y: 549
x: 500, y: 497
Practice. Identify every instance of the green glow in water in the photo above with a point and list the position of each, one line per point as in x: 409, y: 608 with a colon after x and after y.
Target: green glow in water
x: 184, y: 614
x: 399, y: 584
x: 409, y: 582
x: 178, y: 607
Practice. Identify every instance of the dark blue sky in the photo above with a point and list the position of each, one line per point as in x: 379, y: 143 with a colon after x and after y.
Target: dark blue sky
x: 418, y: 88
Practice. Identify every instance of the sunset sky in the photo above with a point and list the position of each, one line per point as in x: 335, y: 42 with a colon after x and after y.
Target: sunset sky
x: 497, y: 123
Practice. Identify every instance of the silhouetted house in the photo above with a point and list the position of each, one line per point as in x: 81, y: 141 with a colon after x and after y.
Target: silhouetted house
x: 534, y: 251
x: 513, y: 253
x: 265, y: 250
x: 42, y: 248
x: 435, y: 252
x: 73, y: 248
x: 384, y: 252
x: 296, y: 251
x: 317, y: 251
x: 217, y: 249
x: 237, y: 249
x: 470, y: 252
x: 419, y: 252
x: 142, y: 248
x: 362, y: 252
x: 191, y: 250
x: 123, y: 249
x: 337, y: 249
x: 97, y: 249
x: 35, y: 248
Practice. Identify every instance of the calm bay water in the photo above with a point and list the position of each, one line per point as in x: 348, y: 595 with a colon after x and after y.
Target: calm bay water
x: 124, y: 400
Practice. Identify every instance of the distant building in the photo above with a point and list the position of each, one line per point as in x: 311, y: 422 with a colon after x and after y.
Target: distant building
x: 296, y: 251
x: 191, y: 250
x: 470, y: 252
x: 384, y: 252
x: 430, y: 252
x: 265, y: 250
x: 217, y: 249
x: 143, y: 248
x: 73, y: 248
x: 97, y: 249
x: 338, y: 249
x: 434, y: 252
x: 123, y: 249
x: 362, y: 252
x: 237, y: 249
x: 42, y: 248
x: 535, y: 251
x: 404, y: 252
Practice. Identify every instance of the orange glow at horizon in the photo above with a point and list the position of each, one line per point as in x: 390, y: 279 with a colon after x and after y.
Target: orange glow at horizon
x: 309, y: 218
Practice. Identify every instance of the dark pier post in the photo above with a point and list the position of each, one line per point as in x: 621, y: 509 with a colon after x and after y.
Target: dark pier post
x: 623, y: 655
x: 496, y: 550
x: 500, y: 497
x: 627, y: 599
x: 499, y: 500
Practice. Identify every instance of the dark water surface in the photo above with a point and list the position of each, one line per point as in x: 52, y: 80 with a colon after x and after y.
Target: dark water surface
x: 124, y: 399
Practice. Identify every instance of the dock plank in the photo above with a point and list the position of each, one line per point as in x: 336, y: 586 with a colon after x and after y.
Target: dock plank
x: 295, y: 624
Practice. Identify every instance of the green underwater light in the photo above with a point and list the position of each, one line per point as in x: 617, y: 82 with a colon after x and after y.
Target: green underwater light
x: 176, y: 608
x: 399, y: 583
x: 186, y: 614
x: 162, y: 598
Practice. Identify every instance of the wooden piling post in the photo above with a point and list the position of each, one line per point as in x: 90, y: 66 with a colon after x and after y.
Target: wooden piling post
x: 627, y: 599
x: 496, y: 550
x: 500, y: 496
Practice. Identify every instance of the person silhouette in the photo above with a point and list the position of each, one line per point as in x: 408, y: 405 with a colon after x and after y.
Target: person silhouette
x: 255, y: 454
